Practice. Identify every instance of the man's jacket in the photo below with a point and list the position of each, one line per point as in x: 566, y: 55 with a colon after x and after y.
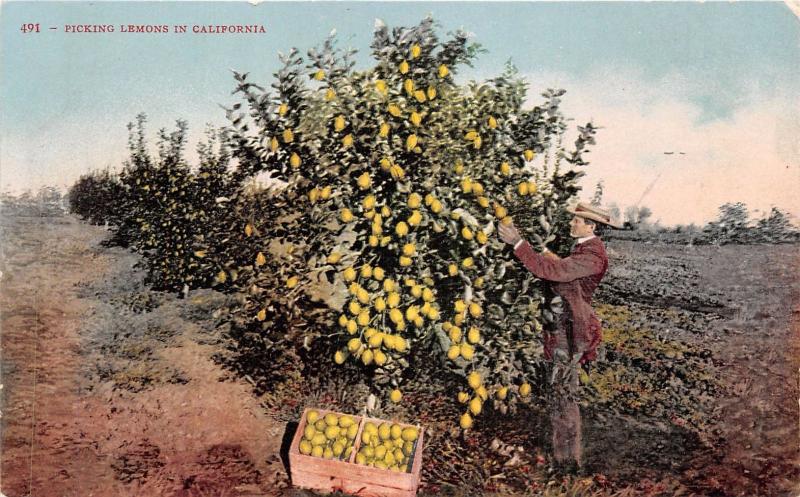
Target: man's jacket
x: 575, y: 279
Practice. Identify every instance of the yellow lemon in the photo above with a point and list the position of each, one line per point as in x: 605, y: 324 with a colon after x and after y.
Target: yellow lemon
x: 346, y: 215
x: 288, y: 136
x: 454, y: 334
x: 532, y: 188
x: 507, y: 220
x: 474, y: 379
x: 349, y: 274
x: 452, y: 270
x: 475, y: 406
x: 367, y: 357
x: 431, y: 93
x: 415, y: 51
x: 436, y: 207
x: 353, y: 345
x: 475, y: 310
x: 339, y: 123
x: 419, y: 95
x: 401, y: 228
x: 415, y: 218
x: 463, y: 397
x: 260, y: 259
x: 384, y: 130
x: 393, y: 299
x: 474, y: 335
x: 378, y: 273
x: 291, y: 282
x: 347, y: 141
x: 295, y: 160
x: 502, y: 393
x: 394, y: 110
x: 369, y: 202
x: 492, y: 122
x: 409, y: 249
x: 354, y: 308
x: 505, y: 169
x: 380, y: 85
x: 477, y: 142
x: 273, y: 144
x: 364, y: 181
x: 338, y: 357
x: 478, y: 283
x: 352, y: 327
x: 416, y: 118
x: 405, y: 261
x: 528, y: 155
x: 343, y: 320
x: 466, y: 421
x: 325, y: 193
x: 395, y: 396
x: 411, y: 142
x: 467, y: 351
x: 262, y: 315
x: 443, y: 71
x: 366, y: 271
x: 522, y: 188
x: 453, y: 352
x: 330, y: 94
x: 500, y: 211
x: 396, y: 171
x: 380, y: 304
x: 481, y: 237
x: 414, y: 200
x: 466, y: 233
x: 403, y: 67
x: 408, y: 86
x: 319, y: 75
x: 389, y: 285
x: 372, y: 241
x: 525, y: 389
x: 283, y: 109
x: 409, y: 434
x: 468, y: 262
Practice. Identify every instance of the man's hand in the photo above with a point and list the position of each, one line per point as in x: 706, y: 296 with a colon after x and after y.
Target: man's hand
x: 509, y: 233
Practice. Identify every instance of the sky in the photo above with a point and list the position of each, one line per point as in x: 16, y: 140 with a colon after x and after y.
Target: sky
x: 719, y: 82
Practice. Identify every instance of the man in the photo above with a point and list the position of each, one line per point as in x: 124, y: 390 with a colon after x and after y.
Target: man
x: 575, y: 339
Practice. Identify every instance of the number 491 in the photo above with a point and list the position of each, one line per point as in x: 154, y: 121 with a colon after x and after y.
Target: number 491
x: 30, y: 28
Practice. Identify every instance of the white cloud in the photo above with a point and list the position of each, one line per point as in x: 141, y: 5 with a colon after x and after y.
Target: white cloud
x: 753, y: 156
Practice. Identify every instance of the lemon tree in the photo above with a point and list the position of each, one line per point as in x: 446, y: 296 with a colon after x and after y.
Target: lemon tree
x: 393, y: 180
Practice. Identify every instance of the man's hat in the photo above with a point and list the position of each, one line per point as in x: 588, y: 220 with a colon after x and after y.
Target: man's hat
x: 594, y: 213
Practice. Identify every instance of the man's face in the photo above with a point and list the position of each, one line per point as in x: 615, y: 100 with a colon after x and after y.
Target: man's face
x: 578, y: 228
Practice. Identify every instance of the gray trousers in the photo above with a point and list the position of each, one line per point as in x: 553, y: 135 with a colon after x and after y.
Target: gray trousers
x: 565, y: 414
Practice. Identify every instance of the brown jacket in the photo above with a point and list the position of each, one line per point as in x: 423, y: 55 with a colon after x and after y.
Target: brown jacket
x: 575, y: 279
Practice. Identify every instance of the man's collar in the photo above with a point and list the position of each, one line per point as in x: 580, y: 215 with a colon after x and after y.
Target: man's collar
x: 585, y: 239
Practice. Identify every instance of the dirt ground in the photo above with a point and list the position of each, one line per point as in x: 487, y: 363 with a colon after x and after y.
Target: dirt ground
x: 111, y: 389
x: 107, y: 395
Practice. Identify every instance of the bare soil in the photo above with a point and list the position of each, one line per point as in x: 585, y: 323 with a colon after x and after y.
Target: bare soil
x: 112, y: 389
x: 108, y: 389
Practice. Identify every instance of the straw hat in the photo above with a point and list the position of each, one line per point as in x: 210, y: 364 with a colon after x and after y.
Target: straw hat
x: 594, y: 213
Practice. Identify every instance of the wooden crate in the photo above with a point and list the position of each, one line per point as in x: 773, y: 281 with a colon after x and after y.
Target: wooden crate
x: 329, y: 475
